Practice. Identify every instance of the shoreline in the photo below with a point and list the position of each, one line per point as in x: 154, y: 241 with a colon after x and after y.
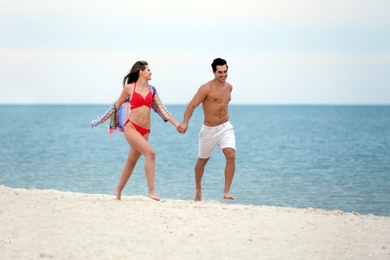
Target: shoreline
x: 55, y: 224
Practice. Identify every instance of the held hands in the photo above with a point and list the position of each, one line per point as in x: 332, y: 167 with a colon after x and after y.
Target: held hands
x: 179, y: 128
x: 182, y: 128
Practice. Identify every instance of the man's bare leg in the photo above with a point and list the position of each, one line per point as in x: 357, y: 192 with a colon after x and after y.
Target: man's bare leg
x: 230, y: 155
x: 199, y: 170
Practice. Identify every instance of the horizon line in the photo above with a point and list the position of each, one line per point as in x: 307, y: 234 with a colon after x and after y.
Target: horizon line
x: 232, y: 104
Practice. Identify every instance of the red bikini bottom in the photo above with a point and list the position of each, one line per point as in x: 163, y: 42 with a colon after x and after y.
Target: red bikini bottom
x: 140, y: 129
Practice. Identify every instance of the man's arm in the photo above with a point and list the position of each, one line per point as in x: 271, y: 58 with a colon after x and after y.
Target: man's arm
x: 198, y: 98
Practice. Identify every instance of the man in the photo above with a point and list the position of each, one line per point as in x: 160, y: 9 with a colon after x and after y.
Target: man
x: 216, y: 129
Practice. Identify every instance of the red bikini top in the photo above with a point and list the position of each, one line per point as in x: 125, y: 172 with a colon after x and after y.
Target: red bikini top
x: 137, y: 100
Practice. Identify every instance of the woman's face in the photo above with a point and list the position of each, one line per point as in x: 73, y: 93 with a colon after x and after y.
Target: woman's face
x: 146, y: 73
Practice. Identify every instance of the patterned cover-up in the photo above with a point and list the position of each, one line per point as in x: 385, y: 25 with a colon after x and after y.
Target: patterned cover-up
x: 119, y: 116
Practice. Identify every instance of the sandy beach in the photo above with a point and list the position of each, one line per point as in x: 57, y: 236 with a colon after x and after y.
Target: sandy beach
x: 36, y: 224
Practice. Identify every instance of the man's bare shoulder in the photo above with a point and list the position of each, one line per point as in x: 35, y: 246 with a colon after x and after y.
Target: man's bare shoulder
x: 205, y: 88
x: 207, y: 85
x: 229, y: 86
x: 210, y: 85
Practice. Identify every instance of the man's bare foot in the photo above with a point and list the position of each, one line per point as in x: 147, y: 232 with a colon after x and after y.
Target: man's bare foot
x: 153, y: 195
x: 118, y: 194
x: 198, y: 195
x: 228, y: 196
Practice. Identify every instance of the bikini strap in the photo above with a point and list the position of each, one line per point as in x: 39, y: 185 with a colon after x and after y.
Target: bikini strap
x: 153, y: 89
x: 135, y: 84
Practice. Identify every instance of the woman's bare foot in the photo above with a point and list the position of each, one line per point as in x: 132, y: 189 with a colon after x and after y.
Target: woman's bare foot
x: 228, y: 196
x: 198, y: 195
x: 118, y: 194
x: 153, y: 195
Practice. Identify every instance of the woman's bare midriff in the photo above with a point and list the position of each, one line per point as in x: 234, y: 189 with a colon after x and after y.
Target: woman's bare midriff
x: 141, y: 116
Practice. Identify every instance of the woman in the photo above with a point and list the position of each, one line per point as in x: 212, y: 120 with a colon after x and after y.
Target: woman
x: 141, y: 97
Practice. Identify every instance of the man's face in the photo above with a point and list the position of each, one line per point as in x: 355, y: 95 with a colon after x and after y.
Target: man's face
x: 221, y: 73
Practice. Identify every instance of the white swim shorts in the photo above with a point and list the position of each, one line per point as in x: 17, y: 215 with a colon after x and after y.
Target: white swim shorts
x: 210, y: 136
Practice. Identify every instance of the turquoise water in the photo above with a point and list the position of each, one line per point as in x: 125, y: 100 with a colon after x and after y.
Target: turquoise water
x: 328, y: 157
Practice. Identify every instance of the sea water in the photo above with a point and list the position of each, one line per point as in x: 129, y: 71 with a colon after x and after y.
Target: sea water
x: 304, y: 156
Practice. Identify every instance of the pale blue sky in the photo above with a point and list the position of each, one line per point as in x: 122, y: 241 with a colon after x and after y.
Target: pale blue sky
x: 278, y: 51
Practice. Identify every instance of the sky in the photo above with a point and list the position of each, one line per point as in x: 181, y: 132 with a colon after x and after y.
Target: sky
x: 278, y: 51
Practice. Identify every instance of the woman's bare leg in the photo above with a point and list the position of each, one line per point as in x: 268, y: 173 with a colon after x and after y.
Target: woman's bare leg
x: 140, y: 143
x: 131, y: 161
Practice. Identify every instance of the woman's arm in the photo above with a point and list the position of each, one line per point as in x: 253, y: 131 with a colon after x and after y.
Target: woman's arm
x: 162, y: 111
x: 123, y: 96
x: 159, y: 107
x: 103, y: 118
x: 173, y: 121
x: 112, y: 110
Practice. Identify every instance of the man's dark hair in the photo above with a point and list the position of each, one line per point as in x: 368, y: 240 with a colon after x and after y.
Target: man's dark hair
x: 218, y: 62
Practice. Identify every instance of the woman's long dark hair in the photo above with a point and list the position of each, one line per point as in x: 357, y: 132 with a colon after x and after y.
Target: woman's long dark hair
x: 133, y: 75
